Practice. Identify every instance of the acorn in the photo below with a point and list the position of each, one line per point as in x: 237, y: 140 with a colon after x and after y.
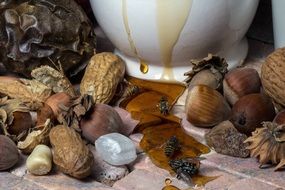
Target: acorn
x: 239, y: 82
x: 250, y: 110
x: 206, y: 107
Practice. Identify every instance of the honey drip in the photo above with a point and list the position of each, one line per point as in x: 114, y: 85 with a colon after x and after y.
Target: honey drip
x: 143, y: 67
x: 143, y: 63
x: 171, y: 18
x: 168, y: 185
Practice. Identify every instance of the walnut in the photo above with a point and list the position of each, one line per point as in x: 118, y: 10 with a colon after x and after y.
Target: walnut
x: 272, y: 76
x: 70, y: 153
x: 268, y: 144
x: 102, y: 76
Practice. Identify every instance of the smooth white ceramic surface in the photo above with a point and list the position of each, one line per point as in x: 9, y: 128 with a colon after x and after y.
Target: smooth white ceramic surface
x: 278, y: 13
x: 167, y: 34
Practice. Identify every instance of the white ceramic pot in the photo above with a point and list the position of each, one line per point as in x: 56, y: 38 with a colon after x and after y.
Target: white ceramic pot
x: 158, y: 38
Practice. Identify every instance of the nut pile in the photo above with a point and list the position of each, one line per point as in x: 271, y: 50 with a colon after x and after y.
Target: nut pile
x: 241, y: 112
x: 66, y: 119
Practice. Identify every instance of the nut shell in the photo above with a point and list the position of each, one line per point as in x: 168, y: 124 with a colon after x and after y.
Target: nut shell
x: 9, y: 154
x: 250, y: 110
x: 239, y: 82
x: 70, y: 153
x: 206, y: 107
x: 102, y: 76
x: 272, y: 76
x: 101, y: 120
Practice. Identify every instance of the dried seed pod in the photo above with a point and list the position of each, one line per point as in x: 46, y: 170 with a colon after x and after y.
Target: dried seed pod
x: 206, y: 107
x: 101, y: 120
x: 70, y: 153
x: 54, y: 79
x: 267, y: 144
x: 35, y: 33
x: 250, y: 110
x: 102, y: 76
x: 239, y: 82
x: 9, y: 154
x: 35, y: 138
x: 208, y: 71
x: 40, y: 160
x: 206, y: 77
x: 272, y: 76
x: 31, y: 92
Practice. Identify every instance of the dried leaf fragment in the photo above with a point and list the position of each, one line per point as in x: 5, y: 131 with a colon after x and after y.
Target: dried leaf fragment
x: 72, y: 115
x: 54, y: 79
x: 208, y: 71
x: 267, y: 144
x: 70, y: 153
x: 31, y: 92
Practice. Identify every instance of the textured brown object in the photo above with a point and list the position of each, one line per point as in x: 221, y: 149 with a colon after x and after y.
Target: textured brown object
x: 268, y: 144
x: 9, y: 154
x: 272, y: 76
x: 56, y: 101
x: 36, y: 137
x: 239, y: 82
x: 225, y: 139
x: 102, y: 76
x: 206, y: 107
x: 54, y: 79
x: 207, y: 71
x: 40, y: 32
x: 101, y: 120
x: 280, y: 118
x: 31, y: 92
x: 70, y: 153
x: 250, y: 110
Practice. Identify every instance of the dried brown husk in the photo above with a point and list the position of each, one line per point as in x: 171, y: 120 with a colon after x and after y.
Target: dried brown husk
x: 8, y: 109
x: 213, y: 69
x: 56, y: 80
x: 35, y: 138
x: 268, y: 144
x: 32, y: 92
x: 34, y: 32
x: 71, y: 116
x: 70, y: 153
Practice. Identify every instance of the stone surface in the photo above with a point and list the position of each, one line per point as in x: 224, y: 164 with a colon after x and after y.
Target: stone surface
x: 146, y: 180
x: 59, y: 181
x: 225, y: 139
x: 250, y: 184
x: 136, y: 138
x: 11, y: 182
x: 104, y: 172
x: 116, y: 149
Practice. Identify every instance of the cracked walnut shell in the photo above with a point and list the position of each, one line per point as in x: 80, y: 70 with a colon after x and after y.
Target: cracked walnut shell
x: 102, y: 76
x: 70, y: 153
